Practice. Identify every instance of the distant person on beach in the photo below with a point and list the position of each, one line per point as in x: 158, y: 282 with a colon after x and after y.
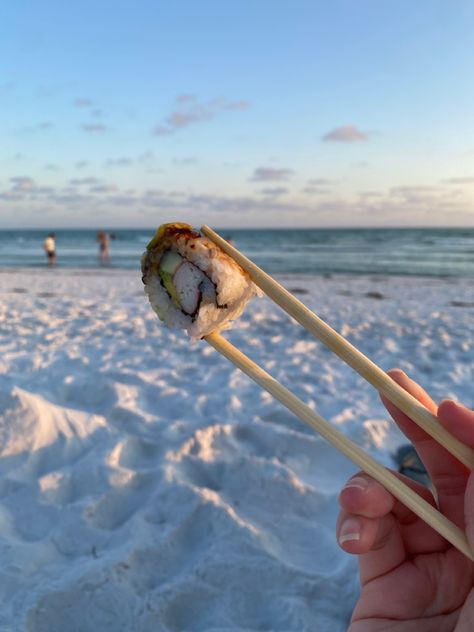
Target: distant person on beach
x: 49, y: 246
x: 104, y: 247
x: 411, y: 578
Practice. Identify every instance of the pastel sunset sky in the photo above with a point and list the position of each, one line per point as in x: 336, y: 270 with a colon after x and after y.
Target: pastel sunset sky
x: 237, y: 113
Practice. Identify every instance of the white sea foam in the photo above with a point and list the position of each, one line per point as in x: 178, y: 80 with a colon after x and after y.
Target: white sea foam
x: 147, y: 485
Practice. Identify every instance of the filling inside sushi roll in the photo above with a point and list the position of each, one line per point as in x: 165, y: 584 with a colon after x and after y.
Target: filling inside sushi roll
x: 187, y: 285
x: 191, y: 283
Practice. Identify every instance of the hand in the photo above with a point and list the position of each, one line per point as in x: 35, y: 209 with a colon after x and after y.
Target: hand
x: 412, y: 580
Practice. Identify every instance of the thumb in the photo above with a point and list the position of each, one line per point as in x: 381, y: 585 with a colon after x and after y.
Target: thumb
x: 469, y: 510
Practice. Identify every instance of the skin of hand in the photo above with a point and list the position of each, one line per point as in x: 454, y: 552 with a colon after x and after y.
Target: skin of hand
x: 412, y: 580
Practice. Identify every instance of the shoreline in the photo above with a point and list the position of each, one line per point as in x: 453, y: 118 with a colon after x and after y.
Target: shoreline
x: 372, y: 276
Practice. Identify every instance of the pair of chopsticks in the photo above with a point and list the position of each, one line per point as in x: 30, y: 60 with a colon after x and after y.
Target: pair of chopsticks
x: 369, y: 371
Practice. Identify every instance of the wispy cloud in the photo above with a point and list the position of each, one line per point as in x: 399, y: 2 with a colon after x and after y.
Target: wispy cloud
x: 126, y: 161
x: 80, y: 164
x: 318, y: 186
x: 313, y: 190
x: 146, y: 156
x: 83, y: 182
x: 38, y: 127
x: 346, y: 134
x: 412, y: 190
x: 22, y: 183
x: 269, y: 174
x: 185, y: 161
x: 190, y: 111
x: 391, y: 206
x: 320, y: 182
x: 186, y: 98
x: 119, y: 162
x: 369, y: 195
x: 103, y: 188
x: 94, y: 128
x: 460, y: 180
x: 275, y: 191
x: 82, y: 102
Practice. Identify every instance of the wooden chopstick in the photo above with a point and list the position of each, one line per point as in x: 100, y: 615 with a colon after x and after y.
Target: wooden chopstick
x: 395, y: 486
x: 347, y: 352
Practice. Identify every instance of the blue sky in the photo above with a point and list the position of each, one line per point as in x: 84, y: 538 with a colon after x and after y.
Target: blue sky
x: 250, y: 113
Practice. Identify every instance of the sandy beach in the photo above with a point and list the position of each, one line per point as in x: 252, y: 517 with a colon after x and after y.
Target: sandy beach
x: 147, y: 485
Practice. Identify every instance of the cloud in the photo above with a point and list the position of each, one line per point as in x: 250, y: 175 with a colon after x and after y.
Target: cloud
x: 94, y: 128
x: 179, y: 119
x: 186, y: 98
x: 83, y: 182
x: 367, y: 195
x: 460, y: 180
x: 22, y: 183
x: 103, y: 188
x: 119, y: 162
x: 275, y: 191
x: 70, y: 199
x: 346, y: 134
x: 317, y: 182
x: 185, y: 161
x: 312, y: 190
x: 269, y: 174
x: 318, y: 186
x: 80, y: 164
x: 94, y: 199
x: 161, y: 130
x: 190, y: 111
x: 411, y: 190
x: 145, y: 156
x: 127, y: 161
x: 81, y: 102
x: 38, y: 127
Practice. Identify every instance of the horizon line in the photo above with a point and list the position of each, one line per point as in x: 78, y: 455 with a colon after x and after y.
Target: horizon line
x: 246, y: 228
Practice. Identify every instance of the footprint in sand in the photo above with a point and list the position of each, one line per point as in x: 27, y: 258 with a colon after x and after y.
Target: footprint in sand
x: 122, y: 501
x: 136, y: 453
x: 254, y: 471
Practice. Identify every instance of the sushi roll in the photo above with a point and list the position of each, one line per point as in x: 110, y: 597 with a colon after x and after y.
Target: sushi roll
x: 191, y: 283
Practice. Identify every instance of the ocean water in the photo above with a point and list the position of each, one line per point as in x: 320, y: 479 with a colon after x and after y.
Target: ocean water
x: 426, y: 252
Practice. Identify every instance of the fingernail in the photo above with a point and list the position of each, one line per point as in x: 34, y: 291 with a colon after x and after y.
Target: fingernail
x: 350, y: 531
x: 359, y: 482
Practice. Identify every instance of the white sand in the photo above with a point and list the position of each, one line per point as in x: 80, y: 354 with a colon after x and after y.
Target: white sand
x: 147, y: 485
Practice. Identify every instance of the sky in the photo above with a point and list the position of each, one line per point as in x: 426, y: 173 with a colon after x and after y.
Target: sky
x: 251, y: 113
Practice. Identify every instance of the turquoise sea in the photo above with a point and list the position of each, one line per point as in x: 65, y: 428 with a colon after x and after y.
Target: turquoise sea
x: 420, y: 251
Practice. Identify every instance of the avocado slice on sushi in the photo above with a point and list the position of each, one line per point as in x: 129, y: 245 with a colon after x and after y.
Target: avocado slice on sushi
x: 169, y: 263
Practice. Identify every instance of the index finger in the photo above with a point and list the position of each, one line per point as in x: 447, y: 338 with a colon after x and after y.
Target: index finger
x: 449, y: 476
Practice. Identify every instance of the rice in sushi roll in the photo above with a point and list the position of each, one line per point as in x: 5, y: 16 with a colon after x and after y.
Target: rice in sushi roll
x: 191, y: 283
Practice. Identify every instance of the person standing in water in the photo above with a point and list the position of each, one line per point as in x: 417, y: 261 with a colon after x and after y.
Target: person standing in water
x: 104, y: 247
x: 49, y: 246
